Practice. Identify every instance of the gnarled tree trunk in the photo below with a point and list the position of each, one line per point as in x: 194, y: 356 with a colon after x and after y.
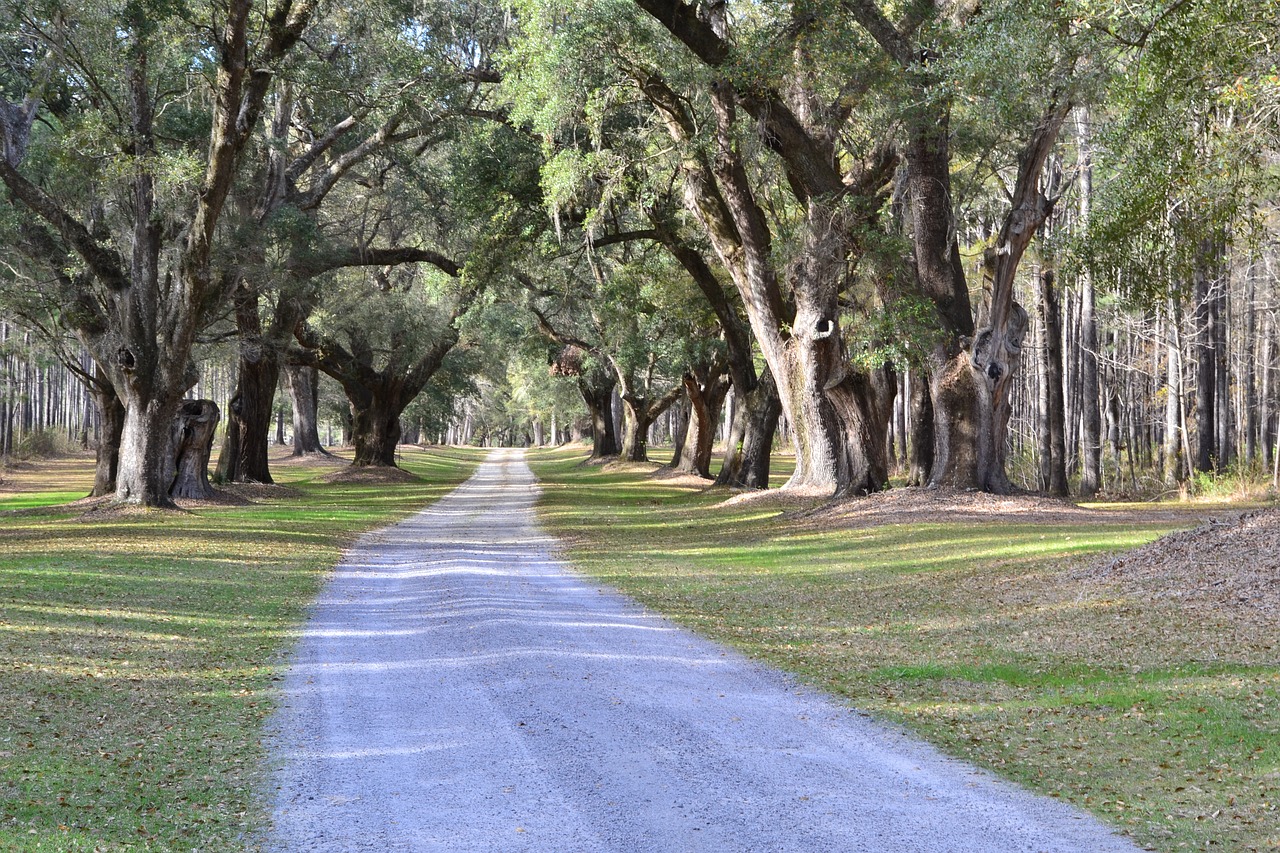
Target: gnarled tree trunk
x: 111, y: 415
x: 597, y: 393
x: 750, y: 446
x: 192, y: 444
x: 706, y: 389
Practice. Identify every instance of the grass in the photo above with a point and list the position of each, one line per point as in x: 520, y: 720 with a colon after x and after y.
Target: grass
x: 985, y: 638
x: 138, y: 653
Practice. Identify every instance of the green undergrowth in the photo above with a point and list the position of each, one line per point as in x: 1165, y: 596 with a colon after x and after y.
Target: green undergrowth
x: 138, y: 652
x: 992, y: 639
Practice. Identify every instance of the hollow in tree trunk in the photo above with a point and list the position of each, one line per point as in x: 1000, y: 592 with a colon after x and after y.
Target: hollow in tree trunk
x: 193, y: 431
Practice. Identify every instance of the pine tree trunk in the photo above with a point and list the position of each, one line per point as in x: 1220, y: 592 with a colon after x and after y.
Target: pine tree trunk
x: 1056, y: 481
x: 1250, y: 372
x: 1090, y: 393
x: 1173, y: 462
x: 1206, y: 337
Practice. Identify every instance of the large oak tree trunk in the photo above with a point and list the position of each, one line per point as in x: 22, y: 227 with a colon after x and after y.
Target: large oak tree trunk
x: 244, y: 449
x: 750, y: 446
x: 111, y: 414
x: 375, y: 428
x: 706, y: 394
x: 304, y: 391
x: 243, y: 458
x: 639, y: 413
x: 192, y: 444
x: 145, y: 445
x: 597, y: 393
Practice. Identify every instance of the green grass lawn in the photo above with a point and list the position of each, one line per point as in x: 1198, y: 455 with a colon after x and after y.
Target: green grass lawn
x: 986, y: 638
x: 139, y: 651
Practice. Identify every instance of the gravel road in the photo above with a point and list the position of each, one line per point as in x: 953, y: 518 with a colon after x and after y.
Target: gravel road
x: 457, y: 689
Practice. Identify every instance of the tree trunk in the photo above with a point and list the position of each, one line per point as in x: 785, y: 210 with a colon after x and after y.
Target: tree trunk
x: 1206, y: 337
x: 706, y: 394
x: 1056, y: 481
x: 1250, y: 370
x: 193, y: 431
x: 1173, y: 461
x: 597, y: 393
x: 145, y: 448
x: 375, y: 427
x: 639, y: 414
x: 750, y: 447
x: 681, y: 416
x: 243, y: 458
x: 111, y: 415
x: 1091, y: 414
x: 304, y: 390
x: 1224, y: 431
x: 921, y: 445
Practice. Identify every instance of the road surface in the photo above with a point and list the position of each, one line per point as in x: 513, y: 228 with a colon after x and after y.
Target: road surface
x: 456, y: 689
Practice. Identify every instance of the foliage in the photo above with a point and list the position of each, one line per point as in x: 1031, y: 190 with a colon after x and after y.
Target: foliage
x: 1183, y: 145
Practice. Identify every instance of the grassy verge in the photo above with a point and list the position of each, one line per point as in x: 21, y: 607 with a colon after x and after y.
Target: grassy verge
x: 986, y: 638
x: 138, y: 654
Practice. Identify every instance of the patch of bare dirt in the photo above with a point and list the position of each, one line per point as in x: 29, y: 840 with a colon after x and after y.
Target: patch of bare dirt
x: 237, y: 494
x: 251, y: 492
x: 372, y: 474
x: 667, y: 474
x: 310, y: 460
x: 1226, y: 565
x: 917, y: 505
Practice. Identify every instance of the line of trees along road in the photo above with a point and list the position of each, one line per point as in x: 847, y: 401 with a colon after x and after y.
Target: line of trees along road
x: 983, y: 245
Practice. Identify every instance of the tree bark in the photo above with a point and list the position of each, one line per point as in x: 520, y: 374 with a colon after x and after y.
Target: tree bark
x: 111, y: 413
x: 706, y: 390
x: 597, y: 392
x: 375, y: 426
x: 1055, y: 425
x: 922, y: 426
x: 750, y: 446
x: 1206, y: 337
x: 640, y: 411
x: 304, y: 390
x: 1174, y: 464
x: 244, y: 452
x: 192, y: 443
